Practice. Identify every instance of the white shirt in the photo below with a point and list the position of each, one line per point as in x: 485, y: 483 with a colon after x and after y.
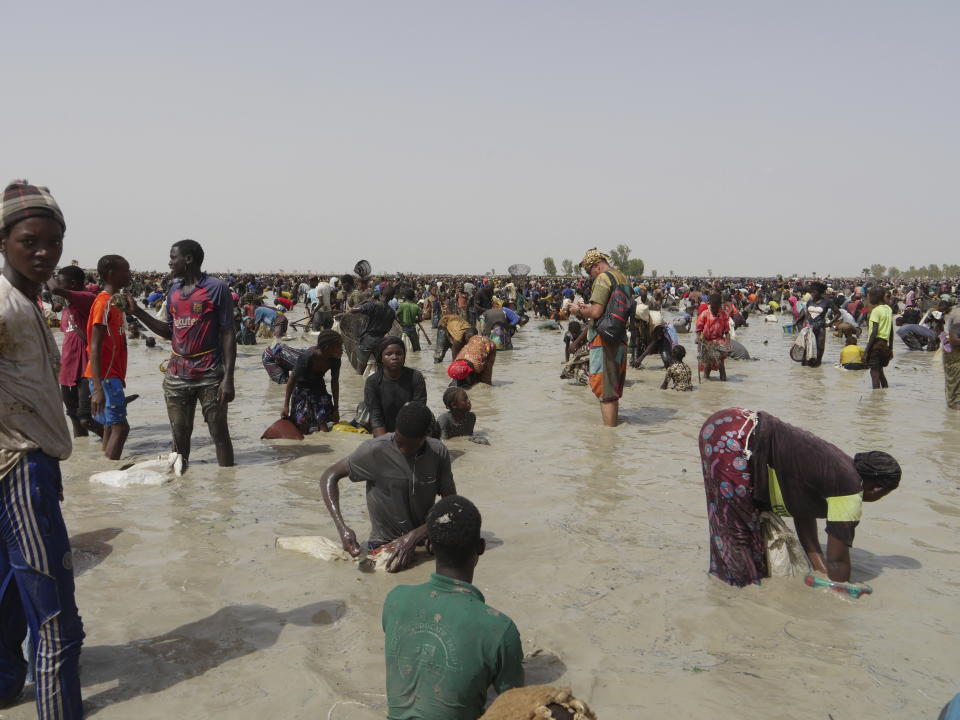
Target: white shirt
x: 31, y: 416
x: 322, y: 294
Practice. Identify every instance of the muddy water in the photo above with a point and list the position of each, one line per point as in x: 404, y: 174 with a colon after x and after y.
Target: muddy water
x: 597, y: 549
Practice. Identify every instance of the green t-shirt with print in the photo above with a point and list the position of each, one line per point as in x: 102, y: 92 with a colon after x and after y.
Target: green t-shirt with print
x: 444, y: 647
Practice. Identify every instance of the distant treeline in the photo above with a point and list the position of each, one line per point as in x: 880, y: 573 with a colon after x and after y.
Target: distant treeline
x: 932, y: 271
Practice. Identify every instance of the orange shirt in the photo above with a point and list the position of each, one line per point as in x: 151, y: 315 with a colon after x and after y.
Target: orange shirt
x: 113, y: 351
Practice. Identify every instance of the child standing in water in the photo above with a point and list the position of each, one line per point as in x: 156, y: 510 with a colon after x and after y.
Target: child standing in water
x: 679, y: 372
x: 458, y: 420
x: 106, y: 369
x: 879, y: 350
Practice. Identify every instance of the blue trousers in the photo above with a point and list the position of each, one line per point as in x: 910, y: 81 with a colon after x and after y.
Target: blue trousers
x: 36, y: 590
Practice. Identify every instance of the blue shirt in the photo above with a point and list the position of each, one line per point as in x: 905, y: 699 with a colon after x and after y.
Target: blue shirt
x: 265, y: 315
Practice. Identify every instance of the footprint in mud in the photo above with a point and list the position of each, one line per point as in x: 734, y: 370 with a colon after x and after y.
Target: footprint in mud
x: 933, y: 548
x: 950, y: 510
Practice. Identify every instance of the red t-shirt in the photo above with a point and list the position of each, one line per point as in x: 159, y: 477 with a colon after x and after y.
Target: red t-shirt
x: 113, y: 351
x: 195, y: 323
x: 73, y: 323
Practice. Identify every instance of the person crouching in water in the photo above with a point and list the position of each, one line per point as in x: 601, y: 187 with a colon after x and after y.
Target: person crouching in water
x: 852, y: 356
x: 306, y: 401
x: 678, y: 373
x: 474, y: 363
x: 402, y: 472
x: 458, y: 420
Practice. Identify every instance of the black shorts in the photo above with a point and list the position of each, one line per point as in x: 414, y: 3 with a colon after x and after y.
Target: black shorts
x: 880, y: 354
x: 76, y: 399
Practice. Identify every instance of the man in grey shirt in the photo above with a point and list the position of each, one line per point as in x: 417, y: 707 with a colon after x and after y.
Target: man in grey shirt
x: 404, y: 472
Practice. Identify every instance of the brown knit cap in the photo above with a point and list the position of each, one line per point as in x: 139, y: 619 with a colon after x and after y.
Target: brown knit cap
x: 21, y: 200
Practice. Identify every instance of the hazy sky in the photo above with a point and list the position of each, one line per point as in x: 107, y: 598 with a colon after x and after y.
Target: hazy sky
x: 743, y: 137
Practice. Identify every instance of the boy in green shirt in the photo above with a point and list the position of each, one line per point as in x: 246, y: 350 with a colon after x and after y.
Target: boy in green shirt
x: 444, y: 645
x: 408, y: 315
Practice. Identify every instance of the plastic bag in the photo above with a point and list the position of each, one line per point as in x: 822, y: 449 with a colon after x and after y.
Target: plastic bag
x: 362, y: 418
x: 128, y: 478
x: 146, y: 473
x: 785, y: 555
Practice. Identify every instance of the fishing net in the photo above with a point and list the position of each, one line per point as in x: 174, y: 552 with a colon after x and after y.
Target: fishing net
x: 362, y: 268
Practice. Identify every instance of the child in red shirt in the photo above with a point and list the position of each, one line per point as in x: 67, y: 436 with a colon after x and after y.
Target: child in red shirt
x: 107, y: 351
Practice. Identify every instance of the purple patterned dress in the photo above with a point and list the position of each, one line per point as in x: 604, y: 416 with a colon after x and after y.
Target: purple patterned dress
x: 737, y: 552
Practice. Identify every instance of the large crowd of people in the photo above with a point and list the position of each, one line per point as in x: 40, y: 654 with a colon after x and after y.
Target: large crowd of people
x: 753, y: 463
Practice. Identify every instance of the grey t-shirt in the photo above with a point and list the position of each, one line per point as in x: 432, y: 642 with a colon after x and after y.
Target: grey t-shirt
x: 400, y: 490
x: 449, y: 428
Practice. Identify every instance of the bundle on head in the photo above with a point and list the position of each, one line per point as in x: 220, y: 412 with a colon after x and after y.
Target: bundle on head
x: 538, y: 702
x: 459, y: 370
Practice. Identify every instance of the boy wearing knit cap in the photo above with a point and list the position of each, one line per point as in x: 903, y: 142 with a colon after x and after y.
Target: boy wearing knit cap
x: 36, y: 569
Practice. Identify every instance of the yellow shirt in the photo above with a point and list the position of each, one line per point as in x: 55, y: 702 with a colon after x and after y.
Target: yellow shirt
x: 882, y: 317
x: 851, y: 354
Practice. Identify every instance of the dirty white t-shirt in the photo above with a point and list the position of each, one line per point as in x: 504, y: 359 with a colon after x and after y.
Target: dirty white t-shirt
x: 31, y: 416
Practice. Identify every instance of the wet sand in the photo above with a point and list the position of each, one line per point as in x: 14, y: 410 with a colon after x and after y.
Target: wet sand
x: 596, y: 549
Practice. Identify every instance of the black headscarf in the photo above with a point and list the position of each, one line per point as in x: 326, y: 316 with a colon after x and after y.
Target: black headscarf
x: 878, y: 467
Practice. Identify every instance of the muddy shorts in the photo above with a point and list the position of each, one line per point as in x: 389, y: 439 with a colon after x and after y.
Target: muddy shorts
x: 182, y: 394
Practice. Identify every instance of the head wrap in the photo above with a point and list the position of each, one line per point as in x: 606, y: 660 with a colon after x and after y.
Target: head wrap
x: 533, y: 703
x: 459, y: 370
x: 592, y: 257
x: 879, y: 468
x: 21, y: 200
